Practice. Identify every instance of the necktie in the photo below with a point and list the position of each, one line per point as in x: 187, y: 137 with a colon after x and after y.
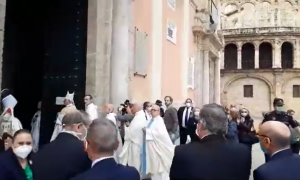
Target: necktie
x: 186, y: 115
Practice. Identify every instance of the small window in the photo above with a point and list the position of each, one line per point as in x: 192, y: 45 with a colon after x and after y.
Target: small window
x: 171, y: 32
x: 248, y: 91
x: 172, y: 4
x: 296, y: 91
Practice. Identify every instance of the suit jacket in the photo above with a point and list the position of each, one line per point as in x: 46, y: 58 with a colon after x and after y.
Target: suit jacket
x: 61, y: 159
x: 282, y: 165
x: 180, y: 114
x: 10, y: 168
x: 108, y: 169
x: 213, y: 158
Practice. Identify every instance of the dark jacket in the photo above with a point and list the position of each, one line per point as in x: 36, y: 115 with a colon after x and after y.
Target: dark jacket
x: 170, y: 119
x: 61, y: 159
x: 283, y: 165
x: 244, y: 128
x: 212, y: 158
x: 108, y: 169
x: 10, y: 168
x: 180, y: 114
x: 191, y: 128
x: 232, y: 133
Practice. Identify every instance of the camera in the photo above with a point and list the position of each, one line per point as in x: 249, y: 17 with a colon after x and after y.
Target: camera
x: 124, y: 106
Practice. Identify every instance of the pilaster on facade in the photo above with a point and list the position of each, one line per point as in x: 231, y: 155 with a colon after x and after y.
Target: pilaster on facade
x: 217, y: 81
x: 239, y: 58
x: 256, y: 58
x: 205, y: 95
x: 222, y: 59
x: 277, y: 54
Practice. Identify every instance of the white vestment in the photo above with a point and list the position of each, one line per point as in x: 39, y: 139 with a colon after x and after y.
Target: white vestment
x: 112, y: 117
x: 131, y: 152
x: 158, y: 150
x: 92, y: 110
x: 9, y: 123
x: 35, y: 130
x: 58, y: 123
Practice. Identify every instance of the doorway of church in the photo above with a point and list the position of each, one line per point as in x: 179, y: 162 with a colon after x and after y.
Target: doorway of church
x: 44, y: 56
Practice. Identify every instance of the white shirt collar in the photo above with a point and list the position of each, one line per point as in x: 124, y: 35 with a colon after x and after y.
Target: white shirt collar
x: 100, y: 159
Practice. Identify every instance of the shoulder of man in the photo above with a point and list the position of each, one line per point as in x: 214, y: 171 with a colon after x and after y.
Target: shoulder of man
x: 68, y: 109
x: 268, y: 116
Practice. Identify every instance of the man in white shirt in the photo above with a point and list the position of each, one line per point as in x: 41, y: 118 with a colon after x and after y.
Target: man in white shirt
x: 109, y: 109
x: 184, y: 114
x: 90, y: 107
x: 131, y: 152
x: 158, y: 149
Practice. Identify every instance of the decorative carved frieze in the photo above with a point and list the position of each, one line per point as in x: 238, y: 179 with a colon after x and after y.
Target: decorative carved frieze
x: 261, y: 31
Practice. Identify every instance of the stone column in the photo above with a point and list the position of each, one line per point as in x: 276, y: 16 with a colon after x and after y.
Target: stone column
x: 217, y: 81
x: 120, y: 53
x: 131, y: 43
x: 277, y: 54
x: 205, y: 84
x: 222, y: 59
x: 296, y: 54
x: 198, y: 78
x: 239, y: 58
x: 99, y: 50
x: 157, y: 36
x: 2, y: 21
x: 256, y: 58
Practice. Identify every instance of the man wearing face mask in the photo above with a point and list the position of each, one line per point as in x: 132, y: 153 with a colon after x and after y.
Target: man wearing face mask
x: 64, y: 157
x: 275, y: 138
x: 183, y: 115
x: 280, y: 115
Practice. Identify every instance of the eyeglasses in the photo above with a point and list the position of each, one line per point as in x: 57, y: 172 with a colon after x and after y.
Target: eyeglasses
x: 244, y: 112
x: 154, y: 110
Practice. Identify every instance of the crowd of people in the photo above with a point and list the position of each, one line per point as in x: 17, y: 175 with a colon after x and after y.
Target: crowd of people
x: 138, y: 141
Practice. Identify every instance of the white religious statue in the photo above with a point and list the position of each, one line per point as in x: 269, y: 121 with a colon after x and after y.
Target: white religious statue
x: 8, y: 122
x: 68, y: 101
x: 158, y: 149
x: 90, y: 107
x: 112, y: 116
x: 35, y: 128
x: 133, y: 139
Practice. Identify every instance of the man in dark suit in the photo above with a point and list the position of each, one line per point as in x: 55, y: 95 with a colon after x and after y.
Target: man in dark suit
x: 213, y: 157
x: 275, y: 139
x: 64, y: 157
x: 183, y: 114
x: 100, y: 145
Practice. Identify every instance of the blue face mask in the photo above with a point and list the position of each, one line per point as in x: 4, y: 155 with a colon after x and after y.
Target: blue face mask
x: 263, y: 149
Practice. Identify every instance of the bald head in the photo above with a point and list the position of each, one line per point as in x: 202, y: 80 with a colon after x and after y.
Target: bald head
x: 136, y: 107
x: 109, y: 108
x: 278, y: 132
x: 102, y: 136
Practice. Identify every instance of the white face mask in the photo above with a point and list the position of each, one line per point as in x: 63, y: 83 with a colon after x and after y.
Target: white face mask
x: 188, y: 104
x: 244, y: 114
x: 22, y: 151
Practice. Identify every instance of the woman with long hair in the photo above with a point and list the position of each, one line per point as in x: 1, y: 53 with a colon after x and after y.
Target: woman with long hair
x: 232, y: 126
x: 15, y: 162
x: 245, y: 125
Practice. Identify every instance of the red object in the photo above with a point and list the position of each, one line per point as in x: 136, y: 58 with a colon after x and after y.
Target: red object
x: 8, y: 111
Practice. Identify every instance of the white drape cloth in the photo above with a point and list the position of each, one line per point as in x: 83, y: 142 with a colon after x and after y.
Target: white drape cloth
x: 159, y: 150
x: 112, y: 117
x: 9, y: 123
x: 92, y: 111
x: 35, y: 130
x: 131, y: 152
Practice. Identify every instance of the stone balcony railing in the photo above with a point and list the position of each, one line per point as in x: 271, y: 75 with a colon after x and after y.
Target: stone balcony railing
x: 261, y: 30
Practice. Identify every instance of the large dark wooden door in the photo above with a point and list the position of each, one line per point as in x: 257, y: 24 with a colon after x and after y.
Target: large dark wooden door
x: 65, y: 58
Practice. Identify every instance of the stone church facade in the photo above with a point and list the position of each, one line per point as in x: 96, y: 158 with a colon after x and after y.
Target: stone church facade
x: 261, y: 57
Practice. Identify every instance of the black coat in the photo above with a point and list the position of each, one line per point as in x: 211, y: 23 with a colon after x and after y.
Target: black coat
x: 109, y: 169
x: 282, y: 165
x: 10, y: 168
x: 213, y: 157
x: 180, y: 114
x: 61, y: 159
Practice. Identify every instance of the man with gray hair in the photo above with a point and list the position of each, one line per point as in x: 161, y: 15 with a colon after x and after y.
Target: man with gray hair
x: 275, y: 140
x: 191, y: 160
x: 64, y: 157
x: 101, y: 142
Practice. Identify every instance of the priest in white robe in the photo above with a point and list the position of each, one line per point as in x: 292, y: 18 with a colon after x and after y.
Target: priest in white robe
x: 158, y: 149
x: 90, y: 107
x: 35, y: 128
x: 8, y: 122
x: 131, y: 152
x: 109, y: 109
x: 68, y: 101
